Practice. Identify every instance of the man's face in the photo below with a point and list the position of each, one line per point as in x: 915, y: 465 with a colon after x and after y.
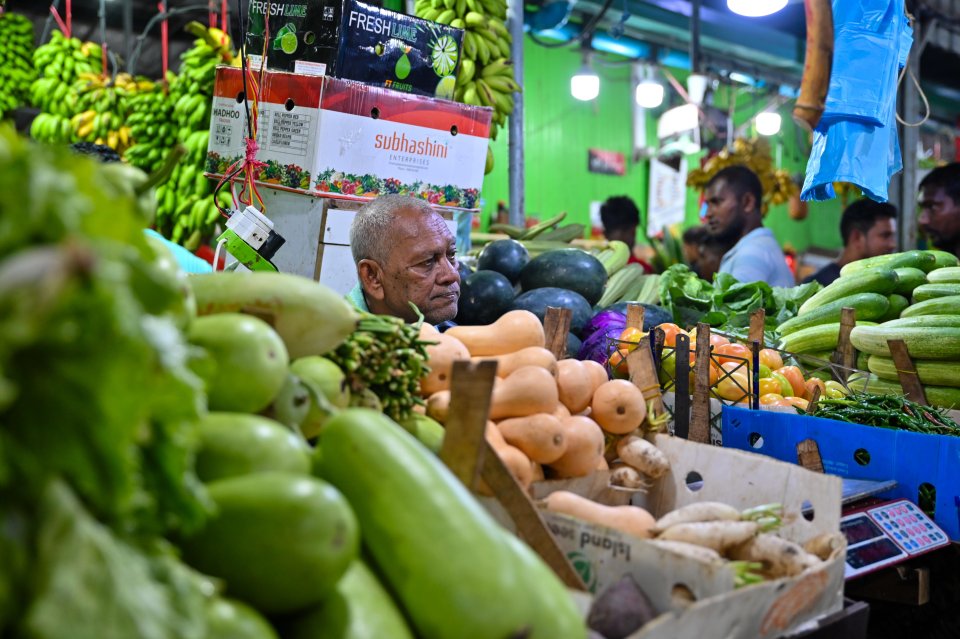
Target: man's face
x: 421, y: 268
x: 726, y: 213
x: 939, y: 218
x: 881, y: 239
x: 626, y: 234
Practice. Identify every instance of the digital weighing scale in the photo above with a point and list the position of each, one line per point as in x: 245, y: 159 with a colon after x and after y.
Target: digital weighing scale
x: 887, y: 533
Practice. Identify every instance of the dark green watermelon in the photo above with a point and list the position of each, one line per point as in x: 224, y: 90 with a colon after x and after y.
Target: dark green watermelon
x: 537, y: 301
x: 504, y: 256
x: 571, y: 268
x: 652, y: 315
x: 573, y: 345
x: 464, y: 270
x: 484, y: 296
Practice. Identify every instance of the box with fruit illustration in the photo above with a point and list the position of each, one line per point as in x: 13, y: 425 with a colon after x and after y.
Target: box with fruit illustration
x: 335, y: 138
x: 301, y: 35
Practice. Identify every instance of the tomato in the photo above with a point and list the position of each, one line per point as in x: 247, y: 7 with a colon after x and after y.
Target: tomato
x: 795, y: 376
x: 786, y: 388
x: 765, y: 371
x: 769, y: 385
x: 771, y: 359
x: 718, y: 340
x: 670, y: 332
x: 632, y: 335
x: 811, y: 384
x: 733, y: 353
x: 618, y: 362
x: 769, y: 399
x: 835, y: 390
x: 798, y: 402
x: 734, y: 386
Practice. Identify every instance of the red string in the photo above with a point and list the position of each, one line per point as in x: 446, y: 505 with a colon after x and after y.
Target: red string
x: 69, y: 18
x: 103, y: 55
x: 59, y: 21
x: 224, y: 12
x: 211, y: 14
x: 164, y: 45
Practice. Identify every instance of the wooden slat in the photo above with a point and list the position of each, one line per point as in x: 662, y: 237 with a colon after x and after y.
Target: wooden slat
x: 808, y: 455
x: 643, y: 374
x: 471, y: 386
x: 700, y: 410
x: 814, y: 400
x: 635, y: 316
x: 906, y: 371
x: 757, y: 324
x: 845, y: 355
x: 556, y: 327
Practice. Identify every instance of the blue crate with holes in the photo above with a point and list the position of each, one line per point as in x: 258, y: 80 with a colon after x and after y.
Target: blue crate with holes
x: 921, y: 464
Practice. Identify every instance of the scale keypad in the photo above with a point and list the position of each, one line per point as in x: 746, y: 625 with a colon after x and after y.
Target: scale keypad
x: 908, y: 527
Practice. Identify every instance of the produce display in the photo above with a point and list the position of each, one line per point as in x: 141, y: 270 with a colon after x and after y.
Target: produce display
x: 102, y: 108
x: 886, y: 411
x: 16, y: 61
x: 59, y: 64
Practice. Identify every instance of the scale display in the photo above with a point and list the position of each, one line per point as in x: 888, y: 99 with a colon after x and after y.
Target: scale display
x: 887, y: 534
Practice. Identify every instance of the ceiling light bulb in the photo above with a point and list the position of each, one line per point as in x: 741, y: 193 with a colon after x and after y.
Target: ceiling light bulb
x: 649, y: 94
x: 585, y: 85
x: 768, y: 123
x: 756, y: 8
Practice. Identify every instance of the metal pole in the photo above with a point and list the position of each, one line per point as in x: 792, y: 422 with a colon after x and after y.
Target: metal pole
x: 695, y: 37
x: 909, y: 136
x: 128, y: 43
x: 517, y: 204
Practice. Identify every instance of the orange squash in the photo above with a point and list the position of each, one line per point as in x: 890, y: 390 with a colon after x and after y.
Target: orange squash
x: 631, y: 520
x: 528, y: 391
x: 539, y: 437
x: 618, y: 406
x: 440, y: 359
x: 530, y: 356
x: 585, y: 445
x: 597, y: 372
x: 562, y: 412
x: 575, y: 383
x: 513, y: 331
x: 438, y: 406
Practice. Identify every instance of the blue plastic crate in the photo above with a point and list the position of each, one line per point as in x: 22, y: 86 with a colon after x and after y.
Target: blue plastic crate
x: 909, y: 458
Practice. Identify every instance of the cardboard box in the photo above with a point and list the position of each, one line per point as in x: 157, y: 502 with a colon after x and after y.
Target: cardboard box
x: 701, y: 472
x: 909, y: 458
x: 303, y: 35
x: 335, y: 138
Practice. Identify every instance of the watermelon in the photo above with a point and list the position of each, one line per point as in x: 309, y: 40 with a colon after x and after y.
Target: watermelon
x: 507, y: 257
x: 464, y: 270
x: 484, y: 296
x: 573, y: 345
x: 537, y: 301
x: 653, y: 316
x: 571, y: 268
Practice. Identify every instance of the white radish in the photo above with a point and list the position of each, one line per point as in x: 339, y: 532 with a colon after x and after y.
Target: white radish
x: 780, y: 558
x: 644, y: 456
x: 627, y: 477
x: 719, y: 535
x: 691, y: 551
x: 701, y: 511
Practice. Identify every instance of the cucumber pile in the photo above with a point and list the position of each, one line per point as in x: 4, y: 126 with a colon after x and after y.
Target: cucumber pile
x: 913, y: 296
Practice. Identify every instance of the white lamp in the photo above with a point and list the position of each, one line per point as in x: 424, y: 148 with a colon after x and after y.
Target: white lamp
x: 649, y: 92
x: 756, y: 8
x: 585, y: 84
x: 768, y: 123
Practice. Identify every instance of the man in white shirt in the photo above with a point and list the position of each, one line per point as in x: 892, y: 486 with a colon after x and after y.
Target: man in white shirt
x: 733, y: 198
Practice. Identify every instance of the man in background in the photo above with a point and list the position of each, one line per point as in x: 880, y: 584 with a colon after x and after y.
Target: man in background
x: 940, y: 208
x: 621, y: 218
x: 734, y: 197
x: 703, y: 252
x: 868, y: 229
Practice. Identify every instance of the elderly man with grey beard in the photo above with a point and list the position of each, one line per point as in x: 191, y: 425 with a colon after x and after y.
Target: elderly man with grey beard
x: 404, y: 253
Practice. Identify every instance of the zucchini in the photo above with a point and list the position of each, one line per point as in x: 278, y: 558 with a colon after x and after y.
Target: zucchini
x: 922, y: 260
x: 923, y: 342
x: 898, y: 303
x: 815, y: 339
x: 869, y: 306
x: 443, y: 556
x: 950, y: 274
x: 942, y: 396
x: 925, y: 321
x: 929, y: 372
x: 949, y: 305
x: 909, y: 278
x: 943, y: 259
x: 878, y: 280
x: 932, y: 291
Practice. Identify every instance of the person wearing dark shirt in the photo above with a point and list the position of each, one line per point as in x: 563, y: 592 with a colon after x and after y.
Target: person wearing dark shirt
x: 939, y: 216
x: 868, y: 229
x: 703, y: 252
x: 620, y: 218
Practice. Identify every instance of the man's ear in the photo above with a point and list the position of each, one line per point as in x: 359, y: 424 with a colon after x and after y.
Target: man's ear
x: 749, y: 203
x: 371, y: 279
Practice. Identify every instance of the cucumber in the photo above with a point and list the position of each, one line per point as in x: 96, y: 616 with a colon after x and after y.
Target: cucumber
x: 869, y: 306
x: 950, y: 274
x: 878, y: 280
x: 456, y: 573
x: 932, y: 291
x: 815, y: 339
x: 924, y: 321
x: 923, y: 342
x: 909, y: 278
x: 949, y: 305
x: 929, y: 372
x: 942, y: 396
x: 898, y: 303
x: 943, y: 259
x: 914, y: 259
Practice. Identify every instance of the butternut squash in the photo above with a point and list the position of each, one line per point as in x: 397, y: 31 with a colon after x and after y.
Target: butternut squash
x: 438, y: 405
x: 537, y: 471
x: 530, y: 356
x: 529, y: 390
x: 631, y: 520
x: 562, y: 412
x: 618, y: 406
x: 602, y: 464
x: 539, y: 436
x: 510, y: 333
x: 575, y: 384
x: 516, y: 462
x: 597, y: 372
x: 440, y: 359
x: 494, y: 436
x: 585, y: 444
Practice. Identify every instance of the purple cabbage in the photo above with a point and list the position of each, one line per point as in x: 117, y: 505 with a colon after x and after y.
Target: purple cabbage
x: 604, y: 327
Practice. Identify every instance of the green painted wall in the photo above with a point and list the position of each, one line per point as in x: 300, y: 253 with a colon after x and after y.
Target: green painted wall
x: 559, y: 130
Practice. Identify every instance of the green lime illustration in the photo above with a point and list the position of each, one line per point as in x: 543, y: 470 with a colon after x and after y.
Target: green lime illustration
x: 403, y: 67
x: 378, y: 49
x: 309, y: 37
x: 443, y: 55
x: 446, y: 87
x: 288, y: 42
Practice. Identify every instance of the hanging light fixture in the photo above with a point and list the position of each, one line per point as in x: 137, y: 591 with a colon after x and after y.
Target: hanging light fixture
x: 756, y: 8
x: 649, y: 92
x: 768, y: 123
x: 585, y: 84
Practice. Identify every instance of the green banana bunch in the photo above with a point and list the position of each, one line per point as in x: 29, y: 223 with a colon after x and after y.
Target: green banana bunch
x: 485, y: 76
x: 50, y: 128
x: 59, y: 64
x: 16, y: 61
x: 152, y: 127
x: 102, y: 108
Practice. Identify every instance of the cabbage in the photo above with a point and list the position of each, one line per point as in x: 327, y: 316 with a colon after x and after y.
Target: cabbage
x: 597, y: 335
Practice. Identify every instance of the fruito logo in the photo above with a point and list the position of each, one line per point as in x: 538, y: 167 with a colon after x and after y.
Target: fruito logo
x: 410, y: 146
x: 584, y: 568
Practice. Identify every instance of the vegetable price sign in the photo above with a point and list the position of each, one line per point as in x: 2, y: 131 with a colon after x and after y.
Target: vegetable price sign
x: 668, y: 193
x: 606, y: 162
